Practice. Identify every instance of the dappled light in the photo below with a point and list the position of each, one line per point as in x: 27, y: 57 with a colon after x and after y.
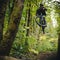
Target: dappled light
x: 29, y: 29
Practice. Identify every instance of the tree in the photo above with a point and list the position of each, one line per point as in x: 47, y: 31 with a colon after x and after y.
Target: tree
x: 3, y: 5
x: 28, y: 24
x: 10, y: 35
x: 57, y: 11
x: 58, y: 19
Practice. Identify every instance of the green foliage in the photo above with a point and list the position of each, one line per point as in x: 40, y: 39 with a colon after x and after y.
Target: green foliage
x: 23, y: 43
x: 46, y: 45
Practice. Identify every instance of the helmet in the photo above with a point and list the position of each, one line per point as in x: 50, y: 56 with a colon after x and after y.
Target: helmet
x: 41, y: 4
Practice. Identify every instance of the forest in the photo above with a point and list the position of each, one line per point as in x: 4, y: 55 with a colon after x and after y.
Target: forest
x: 21, y: 37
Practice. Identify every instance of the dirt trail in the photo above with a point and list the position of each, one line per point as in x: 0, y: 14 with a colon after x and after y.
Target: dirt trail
x: 47, y: 56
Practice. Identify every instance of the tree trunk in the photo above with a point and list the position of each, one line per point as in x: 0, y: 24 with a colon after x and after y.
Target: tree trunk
x: 3, y: 5
x: 10, y: 8
x: 10, y: 35
x: 27, y: 30
x: 28, y: 21
x: 58, y: 53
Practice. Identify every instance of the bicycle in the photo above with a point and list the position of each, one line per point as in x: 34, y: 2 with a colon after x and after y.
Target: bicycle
x: 42, y: 22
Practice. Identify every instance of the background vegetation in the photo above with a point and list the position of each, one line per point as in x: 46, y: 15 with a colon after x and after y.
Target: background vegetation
x: 20, y: 35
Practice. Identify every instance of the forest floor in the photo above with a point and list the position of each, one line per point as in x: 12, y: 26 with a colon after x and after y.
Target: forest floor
x: 47, y: 56
x: 41, y: 56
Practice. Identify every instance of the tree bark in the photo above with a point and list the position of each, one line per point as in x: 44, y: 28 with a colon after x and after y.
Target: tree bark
x: 10, y: 35
x: 28, y: 25
x: 3, y: 5
x: 58, y: 52
x: 28, y: 21
x: 10, y: 8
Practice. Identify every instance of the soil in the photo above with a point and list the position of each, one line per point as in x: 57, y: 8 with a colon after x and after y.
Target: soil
x: 47, y: 56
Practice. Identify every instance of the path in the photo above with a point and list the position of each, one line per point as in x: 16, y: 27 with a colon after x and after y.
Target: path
x: 47, y: 56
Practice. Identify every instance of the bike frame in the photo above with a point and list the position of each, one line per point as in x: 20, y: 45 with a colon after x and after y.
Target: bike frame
x: 42, y: 22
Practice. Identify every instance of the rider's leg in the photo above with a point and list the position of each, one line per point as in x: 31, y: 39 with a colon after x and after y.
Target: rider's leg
x: 43, y: 29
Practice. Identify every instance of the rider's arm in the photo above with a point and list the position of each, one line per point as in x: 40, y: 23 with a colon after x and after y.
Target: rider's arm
x: 44, y: 8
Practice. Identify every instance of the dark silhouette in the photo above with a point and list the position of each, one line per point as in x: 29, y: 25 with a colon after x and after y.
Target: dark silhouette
x: 41, y: 13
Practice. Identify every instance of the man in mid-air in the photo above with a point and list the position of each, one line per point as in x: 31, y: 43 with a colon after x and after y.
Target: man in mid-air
x: 41, y: 13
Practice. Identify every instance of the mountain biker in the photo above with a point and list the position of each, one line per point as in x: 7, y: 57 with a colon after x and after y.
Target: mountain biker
x: 41, y: 12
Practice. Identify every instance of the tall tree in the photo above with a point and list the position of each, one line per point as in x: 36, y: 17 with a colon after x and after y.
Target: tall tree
x: 10, y: 35
x: 28, y: 21
x: 57, y: 11
x: 10, y: 7
x: 28, y: 25
x: 3, y: 5
x: 58, y: 19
